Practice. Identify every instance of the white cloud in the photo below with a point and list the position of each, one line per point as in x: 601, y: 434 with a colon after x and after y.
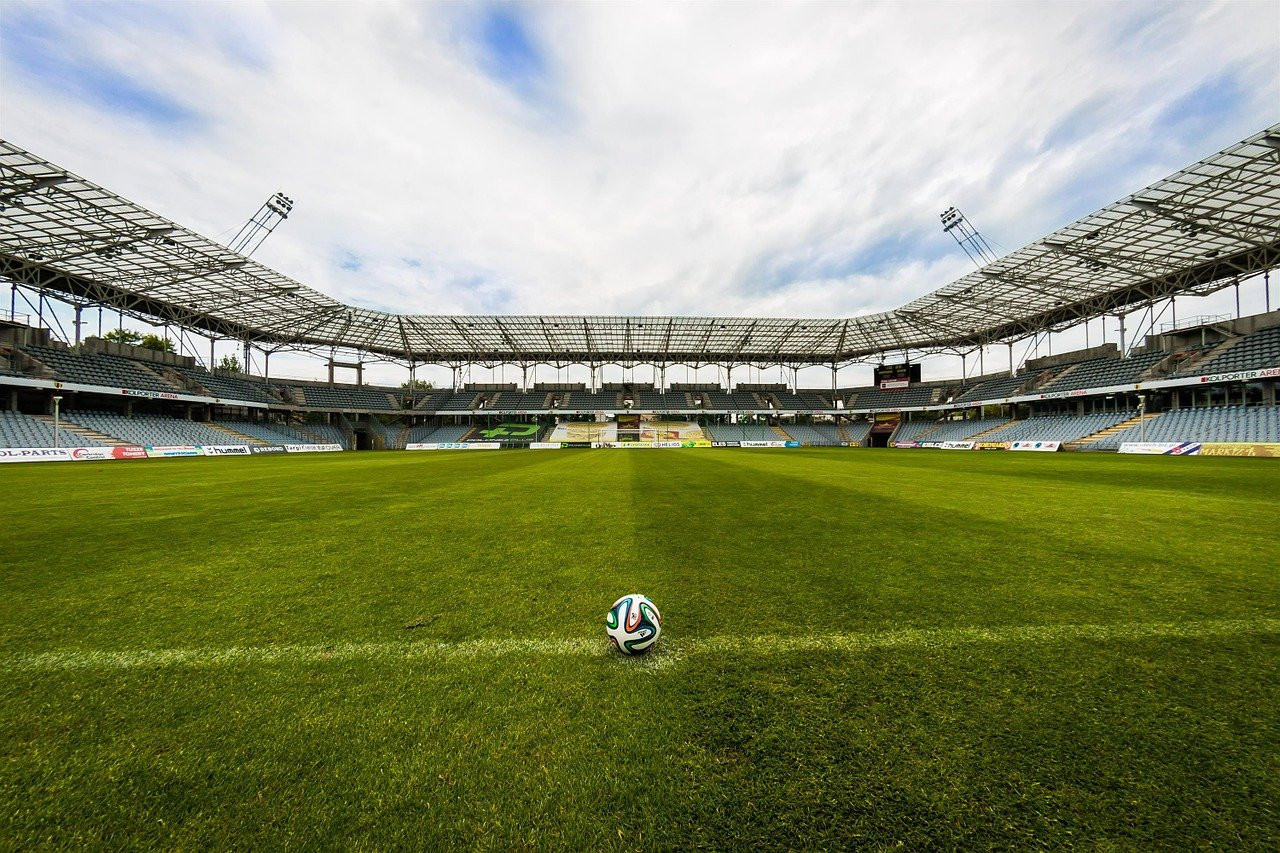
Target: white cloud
x: 671, y: 154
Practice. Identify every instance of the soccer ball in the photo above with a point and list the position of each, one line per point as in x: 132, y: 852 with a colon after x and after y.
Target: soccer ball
x: 633, y: 624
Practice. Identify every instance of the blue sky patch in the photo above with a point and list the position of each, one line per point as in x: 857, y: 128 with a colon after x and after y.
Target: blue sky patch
x: 1197, y: 113
x: 349, y: 261
x: 50, y: 59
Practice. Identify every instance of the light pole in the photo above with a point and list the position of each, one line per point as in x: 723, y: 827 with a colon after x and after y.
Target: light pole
x: 1142, y: 418
x: 57, y: 406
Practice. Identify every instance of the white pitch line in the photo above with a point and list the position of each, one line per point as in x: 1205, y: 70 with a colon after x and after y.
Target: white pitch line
x: 668, y: 654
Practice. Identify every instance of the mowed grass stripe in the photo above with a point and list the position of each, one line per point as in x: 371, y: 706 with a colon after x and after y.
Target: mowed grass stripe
x: 758, y: 645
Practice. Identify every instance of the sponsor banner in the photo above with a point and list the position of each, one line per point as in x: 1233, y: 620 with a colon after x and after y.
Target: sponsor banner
x: 993, y: 445
x: 544, y: 445
x: 724, y: 444
x: 1162, y: 448
x: 170, y: 451
x: 419, y: 445
x: 154, y: 395
x: 509, y: 431
x: 34, y: 454
x: 890, y: 384
x: 128, y: 453
x: 1239, y: 449
x: 312, y: 448
x: 266, y: 448
x: 906, y: 444
x: 1043, y: 446
x: 762, y: 444
x: 1054, y: 395
x: 1264, y: 373
x: 93, y: 454
x: 957, y: 445
x: 225, y: 449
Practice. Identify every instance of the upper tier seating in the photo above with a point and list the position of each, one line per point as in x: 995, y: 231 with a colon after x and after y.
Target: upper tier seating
x: 98, y: 368
x: 517, y: 401
x: 587, y: 401
x: 996, y: 388
x: 19, y: 430
x: 225, y: 386
x: 459, y: 402
x: 875, y: 398
x: 347, y: 397
x: 648, y: 399
x: 1255, y: 351
x: 1220, y: 423
x: 802, y: 401
x: 1105, y: 372
x: 434, y: 400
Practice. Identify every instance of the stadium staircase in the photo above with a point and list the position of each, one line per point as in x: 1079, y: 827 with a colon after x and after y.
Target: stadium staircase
x: 1089, y: 440
x: 1004, y: 425
x: 1208, y: 355
x: 782, y: 433
x: 83, y: 432
x: 240, y: 437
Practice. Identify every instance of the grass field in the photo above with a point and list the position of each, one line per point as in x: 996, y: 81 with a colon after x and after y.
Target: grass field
x: 860, y: 648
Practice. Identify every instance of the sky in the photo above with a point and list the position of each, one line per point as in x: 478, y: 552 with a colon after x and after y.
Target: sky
x: 774, y: 159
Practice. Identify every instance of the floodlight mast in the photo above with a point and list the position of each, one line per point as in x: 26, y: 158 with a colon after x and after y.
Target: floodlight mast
x: 973, y: 243
x: 250, y: 236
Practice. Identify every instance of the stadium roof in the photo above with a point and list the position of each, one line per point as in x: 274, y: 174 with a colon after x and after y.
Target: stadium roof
x: 1193, y: 232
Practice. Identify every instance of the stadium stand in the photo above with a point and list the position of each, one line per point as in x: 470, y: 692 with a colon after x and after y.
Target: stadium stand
x: 225, y: 386
x: 1062, y: 428
x: 996, y: 388
x: 459, y: 402
x: 1252, y: 352
x: 962, y: 430
x: 740, y: 432
x: 346, y: 397
x: 856, y: 432
x: 19, y: 430
x: 273, y: 433
x: 875, y: 398
x: 1217, y: 424
x: 434, y: 434
x: 914, y: 430
x: 588, y: 401
x: 327, y: 434
x: 95, y: 368
x: 1104, y: 372
x: 434, y: 401
x: 151, y: 430
x: 814, y: 435
x: 801, y: 400
x: 649, y: 399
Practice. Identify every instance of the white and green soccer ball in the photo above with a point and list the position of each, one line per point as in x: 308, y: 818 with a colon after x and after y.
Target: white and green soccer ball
x: 633, y: 624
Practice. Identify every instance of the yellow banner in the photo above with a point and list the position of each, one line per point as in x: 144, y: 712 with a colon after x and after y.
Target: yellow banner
x: 1239, y: 449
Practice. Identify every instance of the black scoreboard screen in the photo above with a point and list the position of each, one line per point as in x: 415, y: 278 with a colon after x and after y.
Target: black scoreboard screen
x: 896, y: 375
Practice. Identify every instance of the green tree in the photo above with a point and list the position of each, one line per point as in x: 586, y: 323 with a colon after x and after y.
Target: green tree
x: 229, y: 363
x: 123, y: 336
x: 417, y: 385
x: 156, y: 343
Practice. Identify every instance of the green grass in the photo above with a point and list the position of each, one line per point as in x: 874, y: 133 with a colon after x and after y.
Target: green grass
x: 822, y: 681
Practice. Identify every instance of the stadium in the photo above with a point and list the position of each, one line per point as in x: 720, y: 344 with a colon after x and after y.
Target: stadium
x: 253, y: 610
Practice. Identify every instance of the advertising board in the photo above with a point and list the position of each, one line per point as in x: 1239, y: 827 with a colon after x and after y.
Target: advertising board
x: 1041, y: 446
x: 1162, y: 448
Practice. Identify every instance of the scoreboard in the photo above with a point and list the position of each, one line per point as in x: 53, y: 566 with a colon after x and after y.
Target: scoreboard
x: 896, y: 375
